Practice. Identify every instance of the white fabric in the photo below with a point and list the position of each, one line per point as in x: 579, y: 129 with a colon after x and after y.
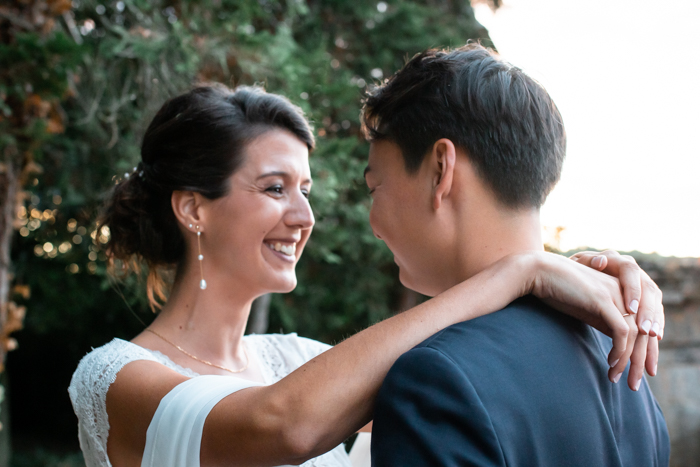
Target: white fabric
x: 175, y: 433
x: 278, y: 354
x: 360, y: 452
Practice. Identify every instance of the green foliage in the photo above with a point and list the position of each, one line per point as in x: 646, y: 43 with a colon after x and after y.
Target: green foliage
x: 33, y: 76
x: 41, y: 62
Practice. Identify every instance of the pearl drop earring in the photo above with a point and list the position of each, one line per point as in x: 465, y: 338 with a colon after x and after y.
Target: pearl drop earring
x: 202, y: 283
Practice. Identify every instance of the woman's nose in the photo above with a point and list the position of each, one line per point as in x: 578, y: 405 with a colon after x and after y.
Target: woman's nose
x: 301, y: 215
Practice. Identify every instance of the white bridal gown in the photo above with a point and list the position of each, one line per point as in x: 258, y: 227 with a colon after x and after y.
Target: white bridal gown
x: 175, y: 432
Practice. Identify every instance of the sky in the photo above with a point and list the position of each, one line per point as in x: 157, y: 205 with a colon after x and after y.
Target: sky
x: 625, y: 75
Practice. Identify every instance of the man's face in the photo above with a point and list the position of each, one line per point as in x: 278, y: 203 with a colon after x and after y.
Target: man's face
x: 401, y: 215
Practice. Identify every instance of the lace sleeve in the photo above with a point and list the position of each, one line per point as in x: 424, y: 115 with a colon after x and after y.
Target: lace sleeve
x: 311, y: 348
x: 88, y: 394
x: 284, y: 353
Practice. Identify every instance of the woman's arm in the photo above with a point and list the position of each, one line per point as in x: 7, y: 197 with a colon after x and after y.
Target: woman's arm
x: 320, y: 404
x: 317, y: 406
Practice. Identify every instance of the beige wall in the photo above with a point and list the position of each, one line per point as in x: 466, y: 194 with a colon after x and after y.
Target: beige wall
x: 677, y: 386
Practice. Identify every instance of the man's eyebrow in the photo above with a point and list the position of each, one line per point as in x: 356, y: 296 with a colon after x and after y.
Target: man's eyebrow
x: 280, y: 174
x: 367, y: 170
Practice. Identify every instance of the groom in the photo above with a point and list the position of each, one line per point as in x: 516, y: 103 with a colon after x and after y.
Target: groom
x: 464, y: 150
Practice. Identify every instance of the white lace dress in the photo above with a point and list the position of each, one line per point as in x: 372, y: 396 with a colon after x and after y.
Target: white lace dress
x: 279, y: 355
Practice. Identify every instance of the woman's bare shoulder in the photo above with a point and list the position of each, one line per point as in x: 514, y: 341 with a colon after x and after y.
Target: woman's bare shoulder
x: 104, y: 378
x: 132, y: 400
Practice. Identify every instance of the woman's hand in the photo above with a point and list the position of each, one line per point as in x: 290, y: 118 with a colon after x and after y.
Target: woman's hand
x: 643, y: 299
x: 640, y: 292
x: 606, y: 302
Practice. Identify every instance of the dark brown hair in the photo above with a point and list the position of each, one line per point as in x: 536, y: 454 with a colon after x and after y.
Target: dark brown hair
x: 504, y: 120
x: 195, y: 142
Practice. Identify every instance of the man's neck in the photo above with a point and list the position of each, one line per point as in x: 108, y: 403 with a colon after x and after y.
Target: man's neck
x: 491, y: 236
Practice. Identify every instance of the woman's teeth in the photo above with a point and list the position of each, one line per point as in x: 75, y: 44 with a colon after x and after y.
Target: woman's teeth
x: 288, y: 250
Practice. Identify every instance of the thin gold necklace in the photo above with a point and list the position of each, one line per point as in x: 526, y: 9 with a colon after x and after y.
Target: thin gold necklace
x: 247, y: 358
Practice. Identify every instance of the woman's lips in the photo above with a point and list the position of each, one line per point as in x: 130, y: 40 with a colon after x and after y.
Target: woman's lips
x: 286, y: 251
x: 286, y: 248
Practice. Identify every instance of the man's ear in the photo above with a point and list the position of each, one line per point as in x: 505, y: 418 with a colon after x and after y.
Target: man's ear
x: 187, y: 206
x: 442, y: 160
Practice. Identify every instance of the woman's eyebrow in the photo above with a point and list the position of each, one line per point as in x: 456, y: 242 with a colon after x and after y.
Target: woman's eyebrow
x: 278, y: 173
x: 273, y: 174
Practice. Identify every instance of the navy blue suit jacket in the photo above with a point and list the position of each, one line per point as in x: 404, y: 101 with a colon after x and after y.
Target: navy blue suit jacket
x: 525, y: 386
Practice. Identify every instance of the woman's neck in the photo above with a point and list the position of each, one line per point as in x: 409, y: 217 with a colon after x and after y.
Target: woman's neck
x: 208, y: 323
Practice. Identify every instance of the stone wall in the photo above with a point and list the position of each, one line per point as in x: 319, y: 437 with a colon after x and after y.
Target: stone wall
x: 677, y: 386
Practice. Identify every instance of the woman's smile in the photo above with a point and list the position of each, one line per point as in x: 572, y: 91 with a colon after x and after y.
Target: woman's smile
x: 285, y: 250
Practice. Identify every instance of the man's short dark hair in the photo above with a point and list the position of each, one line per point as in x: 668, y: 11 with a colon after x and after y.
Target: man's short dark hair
x: 504, y: 120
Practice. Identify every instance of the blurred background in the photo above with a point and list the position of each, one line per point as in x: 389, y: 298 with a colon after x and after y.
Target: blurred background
x: 80, y: 80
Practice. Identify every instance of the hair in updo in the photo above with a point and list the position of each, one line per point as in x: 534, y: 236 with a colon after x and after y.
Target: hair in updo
x: 195, y: 142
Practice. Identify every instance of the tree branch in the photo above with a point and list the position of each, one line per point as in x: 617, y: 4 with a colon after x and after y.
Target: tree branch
x: 16, y: 20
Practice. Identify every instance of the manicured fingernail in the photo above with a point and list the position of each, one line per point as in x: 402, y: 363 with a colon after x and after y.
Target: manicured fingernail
x: 614, y: 363
x: 634, y: 306
x: 656, y: 367
x: 655, y: 328
x: 597, y: 262
x: 636, y: 386
x: 646, y: 325
x: 617, y: 378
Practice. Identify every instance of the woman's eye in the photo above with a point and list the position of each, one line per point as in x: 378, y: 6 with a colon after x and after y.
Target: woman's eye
x: 306, y: 193
x: 276, y: 189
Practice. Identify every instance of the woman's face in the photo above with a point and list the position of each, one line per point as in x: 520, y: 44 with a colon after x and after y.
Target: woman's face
x: 257, y: 232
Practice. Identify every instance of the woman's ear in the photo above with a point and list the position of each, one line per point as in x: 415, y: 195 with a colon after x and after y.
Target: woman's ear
x: 442, y: 158
x: 187, y: 206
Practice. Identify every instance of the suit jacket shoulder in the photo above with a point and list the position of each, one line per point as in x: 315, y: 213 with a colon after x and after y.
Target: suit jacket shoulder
x: 526, y: 382
x: 429, y: 414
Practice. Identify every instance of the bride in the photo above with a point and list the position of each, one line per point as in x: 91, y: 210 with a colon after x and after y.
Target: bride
x: 221, y: 199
